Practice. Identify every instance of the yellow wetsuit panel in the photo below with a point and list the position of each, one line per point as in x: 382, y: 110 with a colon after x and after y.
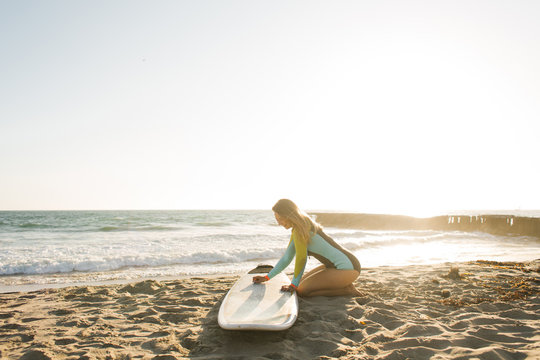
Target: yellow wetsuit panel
x: 301, y: 257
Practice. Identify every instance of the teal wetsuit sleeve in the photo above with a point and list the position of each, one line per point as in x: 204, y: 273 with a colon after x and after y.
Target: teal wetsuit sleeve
x: 284, y: 261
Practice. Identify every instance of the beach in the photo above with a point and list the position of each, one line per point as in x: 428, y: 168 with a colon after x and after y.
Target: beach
x: 154, y: 153
x: 468, y: 310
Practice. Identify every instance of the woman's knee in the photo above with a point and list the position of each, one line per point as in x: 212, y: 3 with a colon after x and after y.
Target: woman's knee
x: 307, y: 287
x: 302, y: 291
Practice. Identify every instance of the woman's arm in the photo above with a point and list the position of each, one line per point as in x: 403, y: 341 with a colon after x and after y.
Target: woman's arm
x: 282, y: 264
x: 284, y: 261
x: 301, y: 259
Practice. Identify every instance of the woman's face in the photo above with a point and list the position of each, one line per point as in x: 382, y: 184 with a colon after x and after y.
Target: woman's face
x: 283, y: 221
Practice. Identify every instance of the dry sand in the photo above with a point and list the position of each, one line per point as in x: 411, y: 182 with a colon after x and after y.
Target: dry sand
x: 482, y: 311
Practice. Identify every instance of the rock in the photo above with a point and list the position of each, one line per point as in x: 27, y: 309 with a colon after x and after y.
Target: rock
x: 453, y: 274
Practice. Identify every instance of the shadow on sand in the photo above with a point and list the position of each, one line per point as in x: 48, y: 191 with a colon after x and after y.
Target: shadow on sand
x: 306, y: 339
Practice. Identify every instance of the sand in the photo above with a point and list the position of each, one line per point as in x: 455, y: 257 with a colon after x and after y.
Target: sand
x: 480, y: 310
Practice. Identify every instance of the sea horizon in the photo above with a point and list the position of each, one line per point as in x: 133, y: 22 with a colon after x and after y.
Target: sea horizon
x: 474, y: 212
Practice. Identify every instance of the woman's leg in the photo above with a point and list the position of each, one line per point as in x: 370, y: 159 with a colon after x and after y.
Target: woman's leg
x: 329, y: 282
x: 313, y: 272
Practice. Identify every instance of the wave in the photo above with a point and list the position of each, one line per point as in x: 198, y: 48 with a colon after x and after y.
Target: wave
x: 136, y: 228
x: 73, y: 260
x: 407, y: 238
x: 34, y: 226
x: 213, y: 223
x: 106, y: 264
x: 361, y: 234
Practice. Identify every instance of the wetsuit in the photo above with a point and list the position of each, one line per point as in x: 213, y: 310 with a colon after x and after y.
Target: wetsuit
x: 322, y: 247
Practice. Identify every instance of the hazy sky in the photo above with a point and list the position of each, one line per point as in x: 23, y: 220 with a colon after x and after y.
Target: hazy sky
x: 376, y: 106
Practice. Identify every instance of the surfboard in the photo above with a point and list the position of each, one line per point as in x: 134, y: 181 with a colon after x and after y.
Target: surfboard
x: 250, y: 306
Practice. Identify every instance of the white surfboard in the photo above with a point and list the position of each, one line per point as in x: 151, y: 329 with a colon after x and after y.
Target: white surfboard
x: 249, y: 306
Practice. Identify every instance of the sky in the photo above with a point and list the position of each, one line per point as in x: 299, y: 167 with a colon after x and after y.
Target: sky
x: 389, y: 106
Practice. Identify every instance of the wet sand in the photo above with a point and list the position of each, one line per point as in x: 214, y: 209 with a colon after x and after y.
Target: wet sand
x: 478, y: 310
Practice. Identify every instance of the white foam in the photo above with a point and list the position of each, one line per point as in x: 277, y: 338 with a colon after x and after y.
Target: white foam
x: 66, y: 260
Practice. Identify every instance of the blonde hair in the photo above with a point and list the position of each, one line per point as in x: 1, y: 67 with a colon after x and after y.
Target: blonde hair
x: 301, y: 222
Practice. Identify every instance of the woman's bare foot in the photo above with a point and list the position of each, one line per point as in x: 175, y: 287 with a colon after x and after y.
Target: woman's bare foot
x: 354, y: 291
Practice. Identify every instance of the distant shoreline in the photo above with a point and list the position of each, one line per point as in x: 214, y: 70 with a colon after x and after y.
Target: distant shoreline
x: 502, y: 212
x: 492, y: 224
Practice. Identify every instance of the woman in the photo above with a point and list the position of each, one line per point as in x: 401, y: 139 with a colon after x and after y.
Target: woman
x: 339, y: 270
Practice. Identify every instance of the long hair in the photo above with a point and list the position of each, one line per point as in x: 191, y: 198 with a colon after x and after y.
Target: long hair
x: 301, y: 222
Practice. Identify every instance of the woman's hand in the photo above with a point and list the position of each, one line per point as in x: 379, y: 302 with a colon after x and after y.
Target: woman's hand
x: 290, y: 288
x: 259, y: 279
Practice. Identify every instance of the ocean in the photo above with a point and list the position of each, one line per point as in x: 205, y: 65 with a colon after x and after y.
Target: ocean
x: 58, y: 248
